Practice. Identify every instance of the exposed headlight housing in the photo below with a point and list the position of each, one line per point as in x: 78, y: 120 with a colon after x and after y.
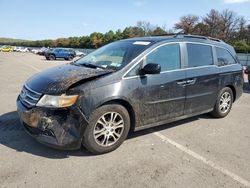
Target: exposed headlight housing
x: 57, y: 101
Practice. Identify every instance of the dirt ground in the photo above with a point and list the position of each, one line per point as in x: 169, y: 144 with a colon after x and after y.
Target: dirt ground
x: 196, y: 152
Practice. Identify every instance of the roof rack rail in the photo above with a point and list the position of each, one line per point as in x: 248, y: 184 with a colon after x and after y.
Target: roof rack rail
x: 170, y: 34
x: 179, y: 34
x: 202, y: 37
x: 215, y: 39
x: 166, y: 34
x: 182, y: 35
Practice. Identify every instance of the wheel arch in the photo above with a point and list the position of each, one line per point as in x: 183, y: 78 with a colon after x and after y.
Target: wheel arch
x: 53, y: 54
x: 233, y: 90
x: 127, y: 106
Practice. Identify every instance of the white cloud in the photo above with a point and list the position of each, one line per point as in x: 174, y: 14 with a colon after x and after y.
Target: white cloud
x: 235, y: 1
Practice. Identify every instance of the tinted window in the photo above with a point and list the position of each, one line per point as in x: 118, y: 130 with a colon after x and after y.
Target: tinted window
x: 167, y: 56
x: 199, y: 55
x: 224, y: 57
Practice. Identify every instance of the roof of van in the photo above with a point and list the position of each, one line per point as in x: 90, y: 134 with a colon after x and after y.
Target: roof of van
x: 183, y: 37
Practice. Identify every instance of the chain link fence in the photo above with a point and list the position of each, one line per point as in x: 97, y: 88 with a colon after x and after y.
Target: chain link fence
x: 244, y: 59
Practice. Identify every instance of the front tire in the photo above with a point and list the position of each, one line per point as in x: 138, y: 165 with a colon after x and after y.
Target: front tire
x: 223, y: 104
x: 52, y: 57
x: 108, y: 128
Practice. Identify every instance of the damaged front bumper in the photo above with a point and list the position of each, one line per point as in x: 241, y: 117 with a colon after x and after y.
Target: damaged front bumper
x: 58, y: 128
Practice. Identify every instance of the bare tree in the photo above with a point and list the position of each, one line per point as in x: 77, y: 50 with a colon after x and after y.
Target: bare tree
x: 221, y: 25
x: 242, y: 23
x: 187, y: 23
x: 213, y: 21
x: 243, y: 32
x: 201, y: 29
x: 229, y: 23
x: 147, y: 27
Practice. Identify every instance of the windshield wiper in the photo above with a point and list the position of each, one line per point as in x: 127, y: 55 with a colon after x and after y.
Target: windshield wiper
x: 89, y: 65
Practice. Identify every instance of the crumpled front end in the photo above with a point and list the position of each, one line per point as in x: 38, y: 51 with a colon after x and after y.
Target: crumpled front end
x: 59, y: 128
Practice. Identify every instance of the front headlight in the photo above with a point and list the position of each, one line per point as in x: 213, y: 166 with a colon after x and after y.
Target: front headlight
x: 57, y: 101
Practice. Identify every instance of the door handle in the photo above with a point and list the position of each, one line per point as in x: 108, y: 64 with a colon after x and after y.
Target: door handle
x: 191, y: 81
x: 183, y: 83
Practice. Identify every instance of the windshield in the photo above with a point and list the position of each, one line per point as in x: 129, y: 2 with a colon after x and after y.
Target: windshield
x: 115, y: 55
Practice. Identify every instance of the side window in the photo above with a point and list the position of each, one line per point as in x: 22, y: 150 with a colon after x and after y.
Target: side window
x: 224, y: 57
x: 199, y: 55
x: 168, y: 56
x: 134, y: 71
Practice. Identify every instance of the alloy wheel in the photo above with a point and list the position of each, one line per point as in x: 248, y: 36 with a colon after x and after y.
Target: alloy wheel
x: 108, y: 129
x: 225, y: 102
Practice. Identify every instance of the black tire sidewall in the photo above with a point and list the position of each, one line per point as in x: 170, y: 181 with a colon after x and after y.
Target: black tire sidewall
x: 70, y: 58
x: 52, y: 57
x: 88, y: 139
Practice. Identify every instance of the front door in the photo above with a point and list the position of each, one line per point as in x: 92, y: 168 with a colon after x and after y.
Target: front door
x: 163, y: 95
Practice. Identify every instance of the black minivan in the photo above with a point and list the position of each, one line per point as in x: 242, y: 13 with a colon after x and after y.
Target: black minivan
x: 128, y: 85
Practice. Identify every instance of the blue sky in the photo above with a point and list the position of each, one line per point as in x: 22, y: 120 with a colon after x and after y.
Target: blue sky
x: 43, y: 19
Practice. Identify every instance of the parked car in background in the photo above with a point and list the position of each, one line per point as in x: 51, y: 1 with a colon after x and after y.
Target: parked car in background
x: 129, y: 85
x: 247, y: 71
x: 79, y: 53
x: 43, y: 50
x: 53, y: 54
x: 6, y: 49
x: 15, y: 48
x: 35, y: 50
x: 20, y: 49
x: 23, y: 49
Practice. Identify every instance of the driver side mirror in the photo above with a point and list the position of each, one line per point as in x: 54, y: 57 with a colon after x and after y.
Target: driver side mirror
x: 151, y: 68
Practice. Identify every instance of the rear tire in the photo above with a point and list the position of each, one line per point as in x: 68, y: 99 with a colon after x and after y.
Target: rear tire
x: 70, y: 58
x: 223, y: 104
x: 108, y: 128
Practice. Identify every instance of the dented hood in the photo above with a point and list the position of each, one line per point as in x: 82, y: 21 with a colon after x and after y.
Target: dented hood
x: 58, y: 79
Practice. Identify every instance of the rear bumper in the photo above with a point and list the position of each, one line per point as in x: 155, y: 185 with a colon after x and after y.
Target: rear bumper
x: 58, y: 128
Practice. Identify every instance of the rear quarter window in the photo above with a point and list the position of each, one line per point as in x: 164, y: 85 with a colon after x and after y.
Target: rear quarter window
x: 199, y: 55
x: 224, y: 57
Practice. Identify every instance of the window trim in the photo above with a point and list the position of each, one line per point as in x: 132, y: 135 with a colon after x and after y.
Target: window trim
x: 143, y: 57
x: 184, y: 58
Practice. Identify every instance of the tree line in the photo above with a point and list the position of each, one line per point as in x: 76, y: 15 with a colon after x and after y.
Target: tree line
x: 225, y: 25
